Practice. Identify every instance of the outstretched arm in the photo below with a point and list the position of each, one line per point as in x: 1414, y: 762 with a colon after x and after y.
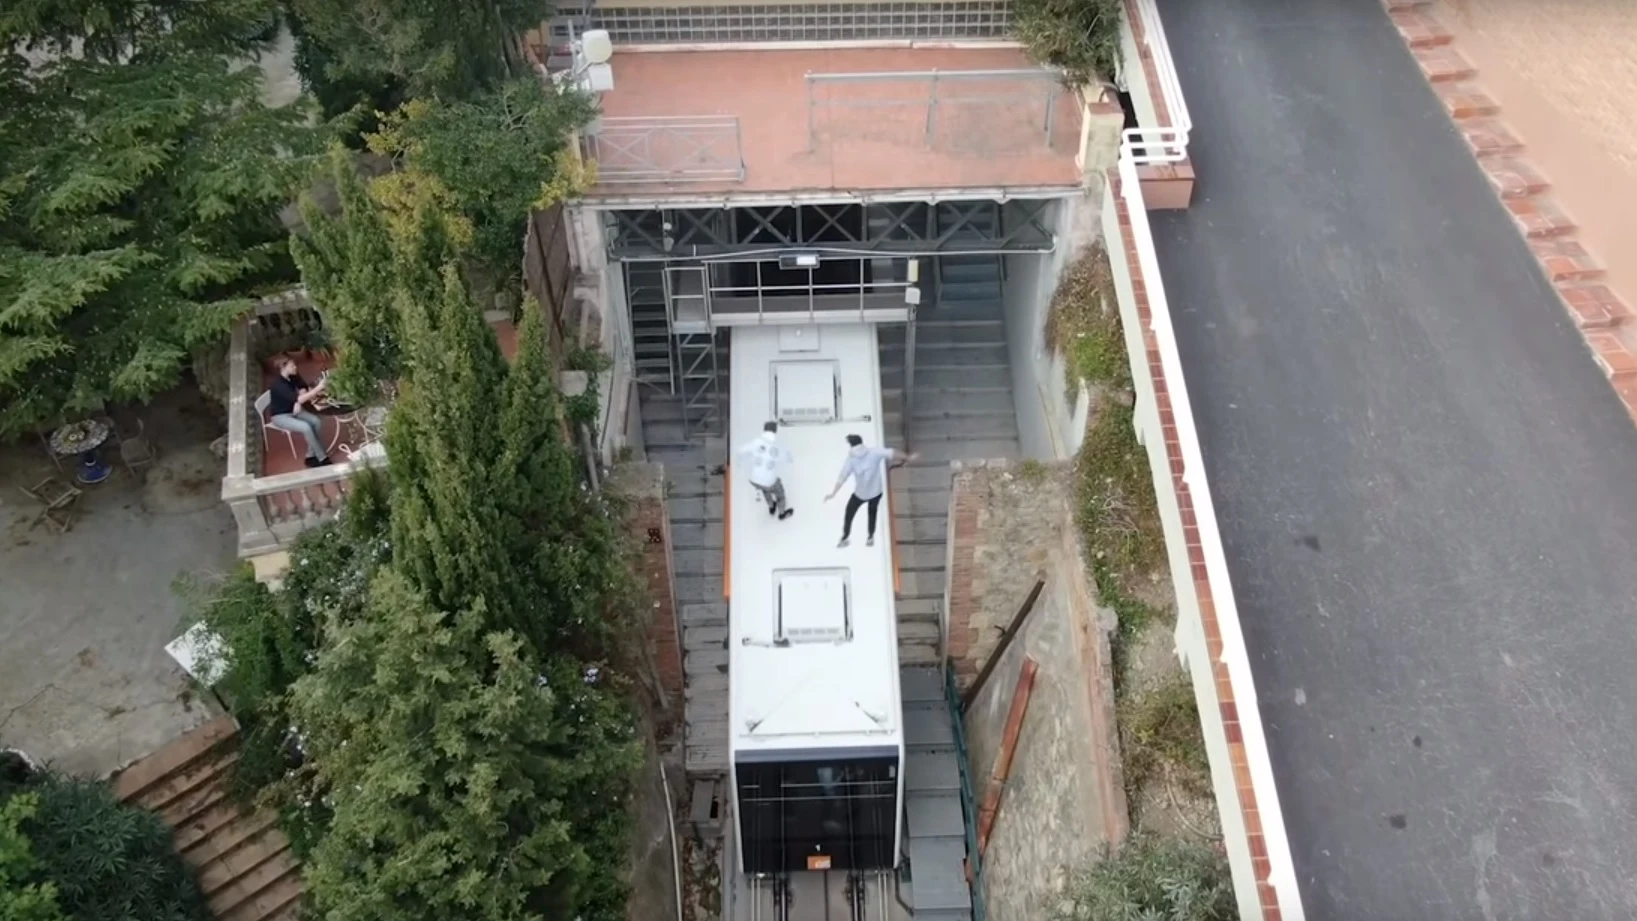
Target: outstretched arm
x: 841, y: 480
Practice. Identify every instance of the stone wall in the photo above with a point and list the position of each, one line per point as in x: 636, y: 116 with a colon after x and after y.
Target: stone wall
x: 643, y: 485
x: 1063, y: 800
x: 1005, y: 517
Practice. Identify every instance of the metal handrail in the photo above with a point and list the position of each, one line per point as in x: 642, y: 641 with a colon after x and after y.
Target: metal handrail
x: 1053, y: 79
x: 969, y: 809
x: 1165, y: 67
x: 671, y: 148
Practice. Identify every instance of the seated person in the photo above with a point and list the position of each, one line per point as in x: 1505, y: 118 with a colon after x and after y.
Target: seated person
x: 288, y: 410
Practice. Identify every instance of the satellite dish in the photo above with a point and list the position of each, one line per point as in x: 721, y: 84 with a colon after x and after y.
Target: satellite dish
x: 596, y: 47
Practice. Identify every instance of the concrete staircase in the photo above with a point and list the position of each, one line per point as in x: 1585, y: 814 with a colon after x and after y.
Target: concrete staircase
x: 694, y: 503
x: 961, y: 409
x: 935, y: 827
x: 242, y: 860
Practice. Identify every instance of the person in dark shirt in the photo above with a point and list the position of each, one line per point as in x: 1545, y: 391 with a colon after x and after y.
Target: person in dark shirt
x: 287, y: 409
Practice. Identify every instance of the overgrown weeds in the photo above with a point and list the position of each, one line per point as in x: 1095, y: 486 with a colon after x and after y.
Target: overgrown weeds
x: 1160, y: 739
x: 1151, y: 879
x: 1083, y: 325
x: 1080, y: 36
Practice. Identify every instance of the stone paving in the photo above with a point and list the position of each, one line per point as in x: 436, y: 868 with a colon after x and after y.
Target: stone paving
x: 85, y: 682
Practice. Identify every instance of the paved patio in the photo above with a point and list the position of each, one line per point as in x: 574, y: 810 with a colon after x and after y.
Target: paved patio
x: 85, y: 682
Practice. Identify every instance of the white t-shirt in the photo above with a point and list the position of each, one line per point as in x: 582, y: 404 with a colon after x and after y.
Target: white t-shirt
x: 762, y: 459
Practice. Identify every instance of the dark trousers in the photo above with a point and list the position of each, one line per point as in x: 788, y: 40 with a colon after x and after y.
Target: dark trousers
x: 853, y: 503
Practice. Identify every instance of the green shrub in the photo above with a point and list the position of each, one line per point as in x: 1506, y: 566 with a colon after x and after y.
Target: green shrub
x: 1153, y: 880
x: 106, y: 860
x: 1160, y: 737
x: 1080, y: 36
x: 21, y: 900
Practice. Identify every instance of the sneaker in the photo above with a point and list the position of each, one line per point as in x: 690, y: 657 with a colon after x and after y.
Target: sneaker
x: 312, y: 462
x: 772, y: 510
x: 869, y: 541
x: 842, y: 544
x: 786, y: 513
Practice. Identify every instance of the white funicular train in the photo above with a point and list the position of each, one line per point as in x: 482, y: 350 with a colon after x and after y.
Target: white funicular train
x: 816, y: 737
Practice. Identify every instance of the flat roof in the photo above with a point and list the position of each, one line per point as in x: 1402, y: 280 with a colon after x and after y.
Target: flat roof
x: 866, y: 134
x: 815, y: 692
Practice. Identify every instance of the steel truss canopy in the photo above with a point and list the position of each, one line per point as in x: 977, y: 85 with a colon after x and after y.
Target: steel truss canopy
x: 899, y: 228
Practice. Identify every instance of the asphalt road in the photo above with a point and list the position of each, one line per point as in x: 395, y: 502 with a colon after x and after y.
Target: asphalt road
x: 1427, y: 491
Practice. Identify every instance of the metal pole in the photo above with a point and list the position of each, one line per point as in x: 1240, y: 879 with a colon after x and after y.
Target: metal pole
x: 909, y: 371
x: 932, y: 110
x: 812, y: 138
x: 1051, y: 112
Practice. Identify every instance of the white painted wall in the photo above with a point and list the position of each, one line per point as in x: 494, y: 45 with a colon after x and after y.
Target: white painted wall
x: 1050, y: 424
x: 1136, y: 81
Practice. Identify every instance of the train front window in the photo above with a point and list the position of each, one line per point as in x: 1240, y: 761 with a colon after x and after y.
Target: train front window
x: 816, y: 815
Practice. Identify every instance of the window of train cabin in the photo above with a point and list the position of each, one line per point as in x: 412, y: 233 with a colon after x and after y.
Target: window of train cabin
x: 841, y: 812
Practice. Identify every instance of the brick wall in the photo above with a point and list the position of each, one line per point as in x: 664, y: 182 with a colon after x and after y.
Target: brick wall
x: 644, y: 486
x: 1005, y: 518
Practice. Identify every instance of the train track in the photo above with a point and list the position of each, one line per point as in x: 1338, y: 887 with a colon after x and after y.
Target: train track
x: 813, y: 896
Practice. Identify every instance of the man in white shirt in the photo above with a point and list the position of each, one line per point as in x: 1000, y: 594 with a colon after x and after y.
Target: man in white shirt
x: 865, y: 466
x: 762, y: 459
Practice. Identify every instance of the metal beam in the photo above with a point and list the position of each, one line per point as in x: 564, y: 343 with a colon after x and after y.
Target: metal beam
x: 714, y: 233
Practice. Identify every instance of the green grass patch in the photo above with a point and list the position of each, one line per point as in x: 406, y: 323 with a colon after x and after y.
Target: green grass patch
x: 1160, y: 739
x: 1083, y: 325
x: 1153, y: 880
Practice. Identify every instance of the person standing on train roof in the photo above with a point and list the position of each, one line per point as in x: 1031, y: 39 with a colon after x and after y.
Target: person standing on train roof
x: 763, y: 458
x: 865, y: 466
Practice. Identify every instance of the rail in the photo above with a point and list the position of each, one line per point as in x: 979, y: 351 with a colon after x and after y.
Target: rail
x: 631, y: 150
x: 1207, y: 608
x: 969, y: 803
x: 1165, y: 69
x: 1042, y: 85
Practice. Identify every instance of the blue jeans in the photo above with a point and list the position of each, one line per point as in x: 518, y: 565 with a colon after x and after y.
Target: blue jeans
x: 305, y: 424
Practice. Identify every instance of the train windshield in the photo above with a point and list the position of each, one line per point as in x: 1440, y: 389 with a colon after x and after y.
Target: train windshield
x: 818, y: 815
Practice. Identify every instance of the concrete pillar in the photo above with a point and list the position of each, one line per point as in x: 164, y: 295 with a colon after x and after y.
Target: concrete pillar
x: 255, y: 534
x: 1101, y: 121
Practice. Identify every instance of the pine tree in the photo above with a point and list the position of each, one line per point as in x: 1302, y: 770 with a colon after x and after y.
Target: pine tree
x: 139, y: 199
x: 446, y: 762
x: 446, y: 48
x: 350, y: 270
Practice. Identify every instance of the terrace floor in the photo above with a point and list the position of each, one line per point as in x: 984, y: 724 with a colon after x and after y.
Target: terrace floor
x: 863, y: 135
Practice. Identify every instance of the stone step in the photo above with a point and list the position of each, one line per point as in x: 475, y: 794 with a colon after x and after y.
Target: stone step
x: 944, y: 403
x: 914, y: 529
x: 919, y: 633
x: 200, y: 830
x: 235, y: 832
x: 705, y: 638
x: 697, y: 562
x: 132, y: 781
x: 697, y: 509
x: 934, y: 332
x: 213, y: 766
x: 934, y: 815
x: 1565, y: 261
x: 922, y: 584
x: 708, y: 687
x: 910, y: 609
x: 923, y: 476
x: 921, y: 684
x: 708, y: 614
x: 1489, y: 137
x: 956, y: 379
x: 701, y: 659
x: 963, y: 428
x: 916, y: 557
x: 706, y: 760
x: 917, y: 654
x: 975, y: 449
x: 698, y: 589
x: 263, y: 890
x: 698, y: 535
x: 190, y: 804
x: 930, y: 772
x: 241, y: 861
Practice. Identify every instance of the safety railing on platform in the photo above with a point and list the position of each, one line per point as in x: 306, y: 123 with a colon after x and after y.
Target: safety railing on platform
x: 969, y: 802
x: 666, y: 149
x: 944, y: 108
x: 1206, y: 540
x: 1165, y: 70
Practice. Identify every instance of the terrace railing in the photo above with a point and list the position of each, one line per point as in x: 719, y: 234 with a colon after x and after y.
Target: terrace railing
x: 958, y: 111
x: 270, y: 511
x: 666, y: 149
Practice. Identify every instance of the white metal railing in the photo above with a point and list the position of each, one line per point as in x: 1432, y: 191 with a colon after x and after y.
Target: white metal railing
x: 1165, y: 70
x: 666, y: 149
x: 1234, y: 653
x: 943, y: 89
x: 877, y: 300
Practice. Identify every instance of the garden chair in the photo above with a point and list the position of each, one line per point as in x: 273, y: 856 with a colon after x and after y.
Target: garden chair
x: 58, y: 500
x: 135, y: 448
x: 262, y: 403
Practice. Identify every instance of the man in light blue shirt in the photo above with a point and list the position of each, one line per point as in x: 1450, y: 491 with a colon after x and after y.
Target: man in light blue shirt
x: 865, y: 466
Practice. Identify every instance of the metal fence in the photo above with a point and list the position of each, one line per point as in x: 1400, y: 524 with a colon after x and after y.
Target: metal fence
x: 958, y: 111
x: 666, y: 149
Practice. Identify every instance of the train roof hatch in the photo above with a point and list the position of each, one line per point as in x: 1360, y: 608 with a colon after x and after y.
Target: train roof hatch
x: 813, y: 607
x: 805, y: 391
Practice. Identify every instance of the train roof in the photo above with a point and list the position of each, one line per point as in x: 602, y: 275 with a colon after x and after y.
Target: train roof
x: 813, y: 633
